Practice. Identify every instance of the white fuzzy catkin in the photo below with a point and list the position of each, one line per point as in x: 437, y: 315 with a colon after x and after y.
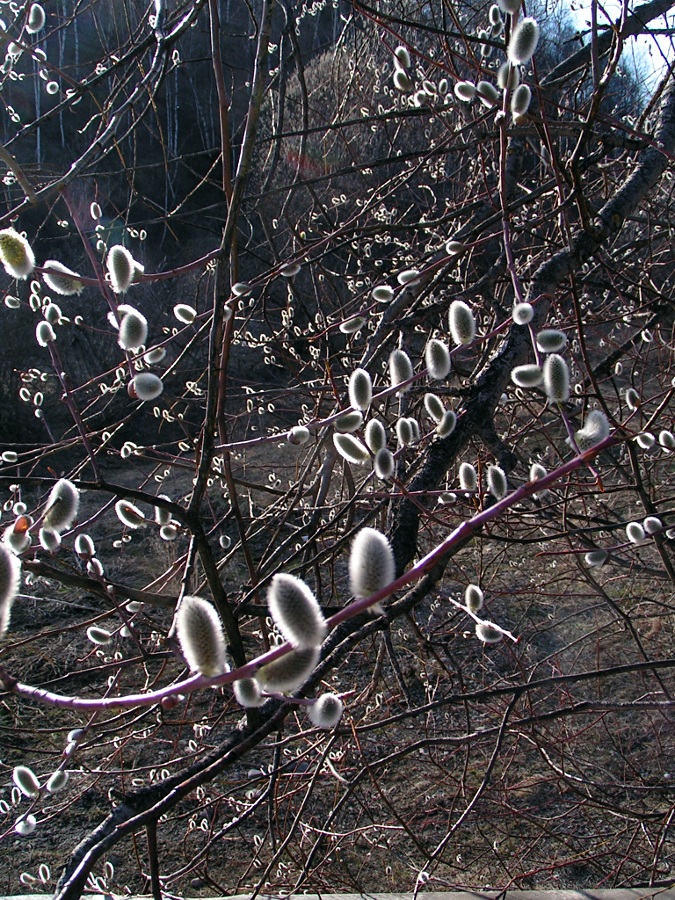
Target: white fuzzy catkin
x: 437, y: 358
x: 129, y: 514
x: 402, y: 55
x: 488, y: 94
x: 556, y: 379
x: 154, y: 356
x: 26, y: 781
x: 632, y: 399
x: 596, y: 558
x: 447, y: 424
x: 200, y: 635
x: 635, y: 532
x: 145, y: 386
x: 462, y: 323
x: 120, y: 265
x: 184, y: 313
x: 98, y: 636
x: 508, y: 76
x: 488, y: 632
x: 296, y: 611
x: 360, y: 389
x: 247, y: 693
x: 523, y: 43
x: 551, y: 340
x: 16, y: 254
x: 522, y: 313
x: 594, y: 430
x: 10, y: 579
x: 61, y: 279
x: 289, y: 672
x: 465, y: 90
x: 133, y: 331
x: 384, y: 464
x: 404, y: 432
x: 349, y: 421
x: 666, y: 441
x: 434, y: 407
x: 84, y: 546
x: 375, y: 435
x: 298, y: 435
x: 652, y: 525
x: 382, y: 293
x: 473, y: 598
x: 537, y: 471
x: 497, y: 483
x: 527, y: 376
x: 62, y: 506
x: 400, y: 369
x: 468, y: 480
x: 509, y: 6
x: 520, y: 100
x: 25, y: 825
x: 371, y: 563
x: 57, y: 781
x: 401, y: 80
x: 351, y: 449
x: 326, y: 711
x: 44, y: 333
x: 349, y: 326
x: 646, y: 440
x: 49, y: 540
x: 36, y: 18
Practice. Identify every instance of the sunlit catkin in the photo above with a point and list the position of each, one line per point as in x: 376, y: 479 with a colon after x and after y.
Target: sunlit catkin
x: 556, y: 379
x: 594, y: 430
x: 200, y: 635
x: 44, y: 333
x: 296, y: 611
x: 349, y: 421
x: 404, y: 432
x: 522, y: 313
x: 551, y: 340
x: 465, y: 90
x: 247, y: 693
x: 10, y: 579
x: 488, y: 632
x: 527, y: 376
x: 520, y: 100
x: 36, y: 18
x: 437, y: 358
x: 62, y: 506
x: 375, y: 435
x: 326, y: 711
x: 16, y: 254
x: 120, y: 265
x: 61, y: 279
x: 145, y: 386
x: 351, y: 449
x: 508, y: 76
x: 447, y: 424
x: 129, y: 514
x: 289, y: 672
x: 26, y: 781
x: 371, y: 563
x: 635, y: 532
x: 473, y: 598
x: 468, y: 480
x: 434, y: 407
x: 497, y: 484
x: 523, y: 43
x: 360, y: 389
x: 462, y: 323
x: 596, y: 558
x: 384, y: 464
x: 400, y: 369
x: 57, y: 781
x: 133, y: 331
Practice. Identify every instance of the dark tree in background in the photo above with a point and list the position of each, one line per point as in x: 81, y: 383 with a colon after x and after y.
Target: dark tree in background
x: 331, y: 300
